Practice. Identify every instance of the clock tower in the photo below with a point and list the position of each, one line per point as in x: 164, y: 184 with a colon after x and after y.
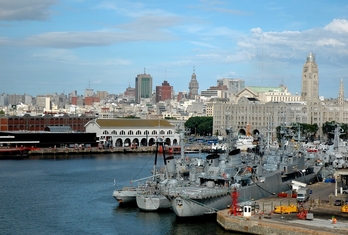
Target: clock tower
x: 310, y: 80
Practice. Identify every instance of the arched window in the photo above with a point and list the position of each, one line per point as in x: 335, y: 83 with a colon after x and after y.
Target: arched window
x: 138, y: 132
x: 162, y: 132
x: 105, y: 132
x: 169, y: 132
x: 146, y: 133
x: 130, y: 133
x: 114, y: 132
x: 122, y: 132
x: 154, y: 133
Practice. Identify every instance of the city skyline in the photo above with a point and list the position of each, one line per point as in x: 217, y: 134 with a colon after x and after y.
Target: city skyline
x: 53, y: 46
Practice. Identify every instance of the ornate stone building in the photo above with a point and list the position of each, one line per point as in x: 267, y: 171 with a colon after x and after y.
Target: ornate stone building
x: 263, y: 109
x: 193, y: 86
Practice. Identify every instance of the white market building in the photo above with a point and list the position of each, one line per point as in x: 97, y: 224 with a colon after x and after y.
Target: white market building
x: 129, y: 132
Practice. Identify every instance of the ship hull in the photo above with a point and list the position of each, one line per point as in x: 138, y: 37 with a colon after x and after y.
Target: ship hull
x: 273, y: 184
x: 152, y: 202
x: 125, y: 195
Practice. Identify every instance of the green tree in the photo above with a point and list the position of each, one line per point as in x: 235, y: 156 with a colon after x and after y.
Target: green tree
x: 200, y: 125
x: 205, y: 128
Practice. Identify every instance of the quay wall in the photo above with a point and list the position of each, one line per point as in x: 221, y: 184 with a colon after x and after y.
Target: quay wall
x: 96, y: 150
x: 265, y: 225
x: 91, y: 150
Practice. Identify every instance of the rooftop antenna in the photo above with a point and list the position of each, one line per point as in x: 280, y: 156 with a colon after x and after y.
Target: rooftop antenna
x: 144, y: 71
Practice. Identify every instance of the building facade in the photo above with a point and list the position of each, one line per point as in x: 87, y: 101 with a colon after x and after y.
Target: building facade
x: 263, y: 109
x: 29, y: 123
x: 193, y: 86
x: 133, y: 132
x: 310, y: 80
x: 164, y: 92
x: 233, y: 86
x: 143, y: 87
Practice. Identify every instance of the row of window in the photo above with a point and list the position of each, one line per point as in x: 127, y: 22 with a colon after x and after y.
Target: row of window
x: 138, y: 132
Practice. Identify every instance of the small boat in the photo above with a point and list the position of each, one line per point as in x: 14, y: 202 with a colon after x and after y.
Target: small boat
x: 15, y: 152
x: 172, y: 149
x: 128, y: 194
x: 150, y: 199
x: 125, y: 195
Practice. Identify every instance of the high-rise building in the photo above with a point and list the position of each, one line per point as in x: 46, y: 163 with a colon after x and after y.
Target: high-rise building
x: 193, y: 86
x: 88, y: 92
x: 233, y: 86
x: 164, y: 92
x: 310, y: 80
x: 143, y: 86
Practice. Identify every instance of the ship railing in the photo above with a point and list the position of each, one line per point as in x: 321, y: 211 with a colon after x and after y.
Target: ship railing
x: 149, y: 177
x: 196, y: 193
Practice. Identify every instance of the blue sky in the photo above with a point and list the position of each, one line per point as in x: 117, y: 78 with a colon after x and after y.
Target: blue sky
x: 55, y: 46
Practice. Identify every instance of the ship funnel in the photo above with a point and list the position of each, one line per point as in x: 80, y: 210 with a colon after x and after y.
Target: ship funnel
x: 170, y: 162
x: 213, y: 160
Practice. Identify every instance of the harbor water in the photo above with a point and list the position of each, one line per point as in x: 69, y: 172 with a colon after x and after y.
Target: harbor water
x: 73, y: 195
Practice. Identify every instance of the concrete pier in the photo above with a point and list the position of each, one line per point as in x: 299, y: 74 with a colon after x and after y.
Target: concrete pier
x: 265, y: 221
x: 279, y: 224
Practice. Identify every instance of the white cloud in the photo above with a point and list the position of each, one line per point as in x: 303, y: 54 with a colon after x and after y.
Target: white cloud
x: 16, y: 10
x: 64, y: 56
x: 292, y: 44
x: 90, y: 39
x: 329, y: 42
x: 338, y: 26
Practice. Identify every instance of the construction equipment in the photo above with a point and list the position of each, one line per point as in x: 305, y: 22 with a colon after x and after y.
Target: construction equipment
x: 302, y: 213
x: 344, y: 208
x: 285, y: 209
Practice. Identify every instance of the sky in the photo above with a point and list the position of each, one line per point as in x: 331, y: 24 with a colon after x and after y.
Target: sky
x: 58, y: 46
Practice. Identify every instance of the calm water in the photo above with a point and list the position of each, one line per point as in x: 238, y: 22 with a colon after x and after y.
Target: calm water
x: 74, y: 196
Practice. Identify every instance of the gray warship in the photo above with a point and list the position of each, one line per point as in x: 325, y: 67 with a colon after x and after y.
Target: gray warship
x: 253, y: 176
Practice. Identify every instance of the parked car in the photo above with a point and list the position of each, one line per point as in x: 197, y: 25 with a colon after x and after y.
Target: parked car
x: 338, y: 202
